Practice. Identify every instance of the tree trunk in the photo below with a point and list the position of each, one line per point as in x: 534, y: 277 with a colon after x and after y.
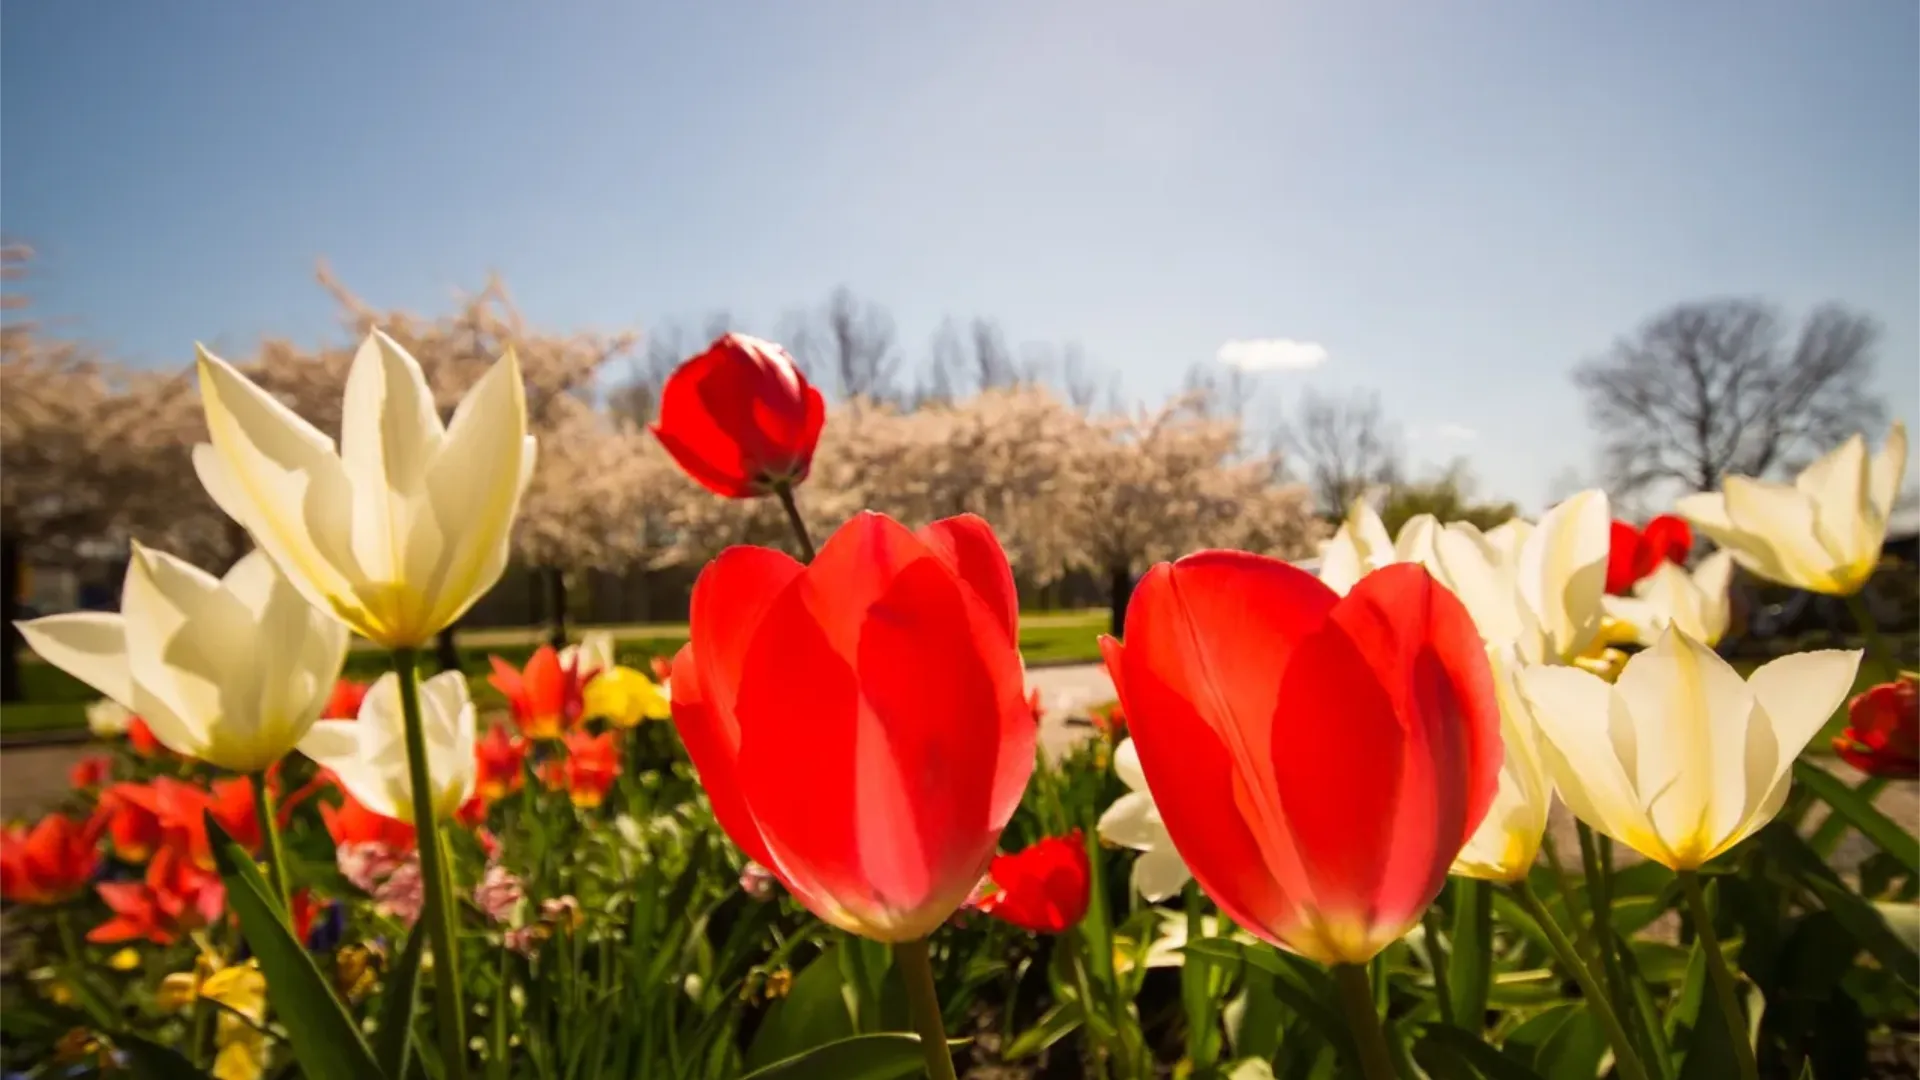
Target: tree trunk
x: 557, y: 590
x: 446, y: 650
x: 11, y: 553
x: 1119, y: 591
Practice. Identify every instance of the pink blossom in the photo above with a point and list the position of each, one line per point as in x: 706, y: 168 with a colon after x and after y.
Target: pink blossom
x: 498, y: 893
x: 757, y: 881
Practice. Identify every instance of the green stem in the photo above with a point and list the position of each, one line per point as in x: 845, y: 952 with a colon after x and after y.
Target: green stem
x: 1596, y: 863
x: 436, y: 875
x: 1877, y: 648
x: 1723, y: 985
x: 1369, y: 1039
x: 784, y: 491
x: 1437, y: 960
x: 270, y: 840
x: 1564, y: 884
x: 1598, y: 1002
x: 923, y: 1001
x: 1084, y: 988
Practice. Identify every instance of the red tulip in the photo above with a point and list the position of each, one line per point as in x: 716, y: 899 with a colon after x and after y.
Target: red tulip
x: 1317, y: 760
x: 344, y: 702
x: 50, y: 862
x: 1043, y: 888
x: 180, y: 810
x: 175, y: 898
x: 473, y: 813
x: 740, y: 418
x: 132, y: 825
x: 591, y: 767
x: 1882, y: 737
x: 861, y: 724
x: 1635, y: 553
x: 353, y: 823
x: 546, y: 698
x: 499, y: 757
x: 91, y: 772
x: 141, y: 739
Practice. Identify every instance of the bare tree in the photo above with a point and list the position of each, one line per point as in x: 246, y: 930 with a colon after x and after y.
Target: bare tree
x: 853, y: 339
x: 993, y: 363
x: 1079, y: 380
x: 1345, y: 446
x: 1714, y: 387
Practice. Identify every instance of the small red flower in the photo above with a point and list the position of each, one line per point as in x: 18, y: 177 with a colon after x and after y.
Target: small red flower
x: 175, y: 898
x: 344, y: 702
x: 662, y: 668
x: 132, y: 825
x: 91, y: 772
x: 353, y: 823
x: 1882, y: 737
x: 1635, y: 553
x: 50, y: 862
x: 180, y: 811
x: 141, y: 738
x: 592, y: 765
x: 305, y: 910
x: 546, y: 697
x: 1111, y: 720
x: 1043, y: 888
x: 499, y: 757
x: 740, y: 418
x: 473, y: 812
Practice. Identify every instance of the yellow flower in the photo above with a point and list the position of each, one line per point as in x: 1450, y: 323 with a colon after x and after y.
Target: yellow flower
x: 624, y: 697
x: 127, y: 959
x: 231, y: 671
x: 403, y: 527
x: 241, y: 1047
x: 1681, y: 759
x: 1823, y: 532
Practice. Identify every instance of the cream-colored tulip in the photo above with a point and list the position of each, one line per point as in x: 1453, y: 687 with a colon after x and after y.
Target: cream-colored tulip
x: 1697, y: 602
x: 1508, y: 840
x: 232, y: 671
x: 1681, y: 759
x: 595, y: 652
x: 403, y: 528
x: 1358, y: 548
x: 369, y: 754
x: 108, y: 718
x: 1133, y: 821
x: 1821, y: 533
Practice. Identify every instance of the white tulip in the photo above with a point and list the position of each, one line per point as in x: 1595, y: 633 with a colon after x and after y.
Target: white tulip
x: 231, y: 671
x: 1821, y: 533
x: 1681, y: 759
x: 595, y: 653
x: 1133, y: 821
x: 107, y: 718
x: 1358, y: 548
x: 1698, y: 602
x: 402, y: 529
x: 369, y: 754
x: 1508, y: 840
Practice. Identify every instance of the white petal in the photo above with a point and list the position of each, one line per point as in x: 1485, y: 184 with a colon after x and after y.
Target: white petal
x: 1415, y: 542
x: 1888, y: 468
x: 1575, y: 713
x: 1134, y: 822
x: 1340, y: 567
x: 90, y: 646
x: 1843, y: 517
x: 190, y: 650
x: 1776, y: 528
x: 1797, y: 694
x: 335, y: 745
x: 1713, y: 580
x: 1159, y: 873
x: 1370, y: 535
x: 1690, y: 712
x: 472, y: 489
x: 1126, y: 766
x: 1562, y: 572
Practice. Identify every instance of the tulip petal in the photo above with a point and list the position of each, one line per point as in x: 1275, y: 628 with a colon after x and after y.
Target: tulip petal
x: 389, y: 434
x: 89, y: 645
x: 334, y: 745
x: 466, y: 553
x: 1131, y: 821
x: 1575, y: 711
x: 1198, y: 789
x: 967, y: 545
x: 1562, y: 573
x: 1777, y: 528
x: 1159, y: 873
x: 1126, y: 763
x: 1796, y: 694
x: 1837, y: 485
x: 1690, y: 712
x: 714, y: 747
x: 1885, y: 473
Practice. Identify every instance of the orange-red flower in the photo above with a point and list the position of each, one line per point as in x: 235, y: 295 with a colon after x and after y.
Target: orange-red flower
x: 179, y: 810
x: 141, y: 739
x: 1043, y: 888
x: 546, y: 698
x: 91, y: 772
x: 1635, y: 553
x: 344, y: 702
x: 740, y: 418
x: 499, y: 757
x: 175, y: 898
x: 132, y: 825
x: 591, y: 767
x: 1882, y: 737
x: 353, y: 823
x: 861, y: 724
x: 1318, y: 761
x: 50, y: 862
x: 473, y: 812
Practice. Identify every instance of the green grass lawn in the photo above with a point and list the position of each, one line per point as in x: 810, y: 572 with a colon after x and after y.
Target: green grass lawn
x: 55, y: 701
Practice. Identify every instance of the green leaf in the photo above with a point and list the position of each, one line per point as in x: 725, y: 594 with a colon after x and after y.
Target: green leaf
x: 1470, y: 968
x: 1861, y: 918
x: 863, y: 1057
x: 322, y: 1033
x: 149, y: 1060
x: 1859, y: 811
x: 1470, y: 1049
x: 1302, y: 988
x: 396, y: 1008
x: 813, y: 1012
x: 1055, y: 1024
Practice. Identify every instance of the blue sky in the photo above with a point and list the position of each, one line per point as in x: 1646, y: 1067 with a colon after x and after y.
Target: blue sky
x: 1458, y: 201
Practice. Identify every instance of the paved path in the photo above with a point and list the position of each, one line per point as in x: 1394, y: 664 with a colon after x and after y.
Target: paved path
x: 31, y: 778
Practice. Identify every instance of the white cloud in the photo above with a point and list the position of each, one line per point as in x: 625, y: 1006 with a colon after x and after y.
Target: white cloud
x: 1456, y: 432
x: 1272, y: 354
